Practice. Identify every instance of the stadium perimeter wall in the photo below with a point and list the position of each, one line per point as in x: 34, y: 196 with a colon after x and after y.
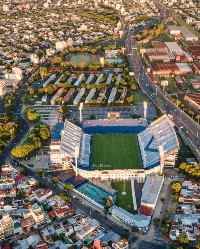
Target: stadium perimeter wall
x: 118, y: 174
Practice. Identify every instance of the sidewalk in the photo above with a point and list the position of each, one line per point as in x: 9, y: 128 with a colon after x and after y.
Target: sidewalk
x: 133, y: 195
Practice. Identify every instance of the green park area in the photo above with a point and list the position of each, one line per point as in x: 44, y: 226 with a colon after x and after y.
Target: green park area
x: 124, y: 201
x: 115, y: 151
x: 139, y: 97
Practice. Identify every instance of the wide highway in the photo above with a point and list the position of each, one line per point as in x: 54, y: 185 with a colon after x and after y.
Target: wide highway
x: 186, y: 125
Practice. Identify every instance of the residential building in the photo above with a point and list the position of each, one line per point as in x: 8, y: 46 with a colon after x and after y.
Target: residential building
x: 6, y: 227
x: 2, y: 88
x: 7, y: 184
x: 37, y: 214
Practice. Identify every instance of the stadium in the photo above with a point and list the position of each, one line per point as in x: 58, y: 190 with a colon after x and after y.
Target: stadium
x: 117, y: 149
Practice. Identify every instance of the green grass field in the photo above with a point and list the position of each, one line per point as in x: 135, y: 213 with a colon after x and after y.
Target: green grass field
x: 139, y: 98
x: 124, y: 201
x: 80, y: 58
x: 115, y: 151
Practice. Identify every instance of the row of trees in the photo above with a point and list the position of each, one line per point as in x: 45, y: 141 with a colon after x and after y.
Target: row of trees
x: 9, y: 103
x: 9, y: 127
x: 154, y: 33
x: 34, y: 140
x: 105, y: 15
x: 190, y: 170
x: 182, y: 106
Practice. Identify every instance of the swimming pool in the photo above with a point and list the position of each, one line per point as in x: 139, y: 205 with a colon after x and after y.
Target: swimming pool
x: 94, y: 192
x: 114, y: 60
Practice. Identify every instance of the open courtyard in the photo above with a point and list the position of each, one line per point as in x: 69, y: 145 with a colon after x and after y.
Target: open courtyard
x: 115, y: 151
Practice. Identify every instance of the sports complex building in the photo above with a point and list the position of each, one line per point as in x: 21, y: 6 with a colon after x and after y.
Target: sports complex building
x: 116, y: 149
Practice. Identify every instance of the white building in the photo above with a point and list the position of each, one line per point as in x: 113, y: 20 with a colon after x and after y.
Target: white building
x: 37, y: 214
x: 61, y: 45
x: 34, y: 59
x: 2, y: 88
x: 7, y: 184
x: 6, y: 227
x: 16, y: 74
x: 5, y: 8
x: 141, y: 221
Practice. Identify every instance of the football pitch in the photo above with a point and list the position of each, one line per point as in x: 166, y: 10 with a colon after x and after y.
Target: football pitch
x: 124, y: 201
x: 115, y: 151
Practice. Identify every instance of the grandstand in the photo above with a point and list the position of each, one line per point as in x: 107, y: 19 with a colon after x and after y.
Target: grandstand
x: 110, y: 126
x: 72, y: 137
x: 159, y: 133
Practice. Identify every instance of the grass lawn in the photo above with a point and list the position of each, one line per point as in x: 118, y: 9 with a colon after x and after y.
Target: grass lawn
x: 139, y: 98
x: 124, y: 201
x: 80, y: 58
x: 115, y: 151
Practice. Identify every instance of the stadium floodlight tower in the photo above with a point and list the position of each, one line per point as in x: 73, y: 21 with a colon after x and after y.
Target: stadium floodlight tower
x: 80, y: 110
x: 145, y: 109
x: 76, y: 154
x: 161, y: 150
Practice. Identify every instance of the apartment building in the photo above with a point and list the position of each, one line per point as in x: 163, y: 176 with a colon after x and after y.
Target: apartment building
x: 37, y: 213
x: 6, y: 227
x: 2, y: 88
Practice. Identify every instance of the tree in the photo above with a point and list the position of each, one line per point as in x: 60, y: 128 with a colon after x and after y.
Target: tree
x: 156, y: 221
x: 169, y: 211
x: 108, y: 203
x: 32, y: 114
x: 165, y: 230
x: 64, y: 197
x: 40, y: 171
x: 92, y: 116
x: 174, y: 196
x: 197, y: 245
x: 135, y: 229
x: 22, y: 171
x: 68, y: 187
x: 183, y: 239
x: 31, y: 91
x: 176, y: 187
x: 55, y: 179
x: 43, y: 72
x: 198, y: 118
x: 162, y: 199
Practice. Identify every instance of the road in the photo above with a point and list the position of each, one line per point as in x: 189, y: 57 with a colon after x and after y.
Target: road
x: 187, y: 126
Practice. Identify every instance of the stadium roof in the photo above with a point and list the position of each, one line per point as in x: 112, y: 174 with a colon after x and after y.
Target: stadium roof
x: 151, y: 189
x: 71, y: 138
x: 159, y: 133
